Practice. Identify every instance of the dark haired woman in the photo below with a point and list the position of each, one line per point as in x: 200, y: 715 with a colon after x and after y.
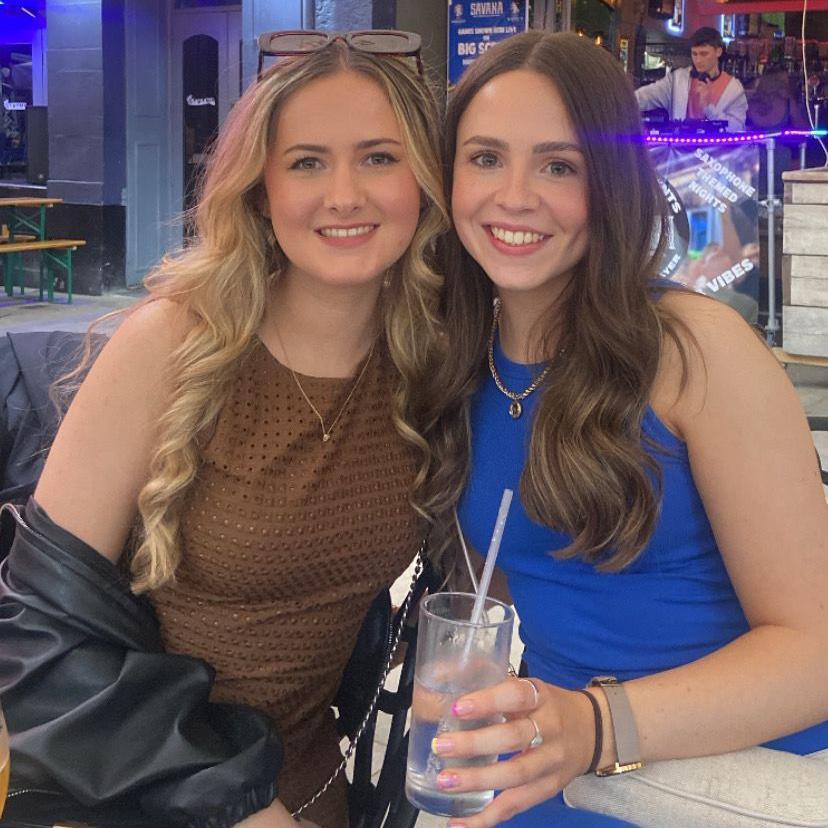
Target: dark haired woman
x: 671, y: 526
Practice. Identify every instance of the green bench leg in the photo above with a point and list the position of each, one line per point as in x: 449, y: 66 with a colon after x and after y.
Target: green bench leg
x: 18, y: 271
x: 12, y: 265
x: 64, y: 259
x: 7, y: 275
x: 46, y: 275
x: 12, y: 272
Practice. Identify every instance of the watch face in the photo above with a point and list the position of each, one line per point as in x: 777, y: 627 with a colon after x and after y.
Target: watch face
x: 604, y: 680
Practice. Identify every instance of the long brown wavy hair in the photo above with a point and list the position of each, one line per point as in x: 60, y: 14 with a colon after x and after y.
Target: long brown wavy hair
x: 222, y: 281
x: 587, y: 473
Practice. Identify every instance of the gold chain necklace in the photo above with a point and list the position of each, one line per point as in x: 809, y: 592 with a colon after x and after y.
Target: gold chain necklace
x: 326, y: 432
x: 515, y: 407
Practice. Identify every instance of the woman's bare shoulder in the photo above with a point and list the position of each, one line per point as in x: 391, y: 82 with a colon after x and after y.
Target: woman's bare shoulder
x: 99, y: 460
x: 157, y: 325
x: 717, y: 345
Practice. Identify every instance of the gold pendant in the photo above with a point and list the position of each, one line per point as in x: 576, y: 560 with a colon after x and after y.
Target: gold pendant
x: 326, y: 435
x: 515, y: 409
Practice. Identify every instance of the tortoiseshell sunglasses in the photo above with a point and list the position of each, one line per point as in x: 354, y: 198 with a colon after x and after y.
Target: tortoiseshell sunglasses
x: 374, y: 41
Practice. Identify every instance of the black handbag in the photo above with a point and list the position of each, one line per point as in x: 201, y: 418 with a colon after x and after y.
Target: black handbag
x: 384, y: 637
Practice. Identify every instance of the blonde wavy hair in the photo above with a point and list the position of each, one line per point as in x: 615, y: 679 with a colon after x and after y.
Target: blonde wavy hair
x: 223, y: 278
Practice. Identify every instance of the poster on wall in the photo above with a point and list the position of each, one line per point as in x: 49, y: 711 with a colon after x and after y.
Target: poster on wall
x: 713, y: 240
x: 475, y: 25
x: 16, y: 97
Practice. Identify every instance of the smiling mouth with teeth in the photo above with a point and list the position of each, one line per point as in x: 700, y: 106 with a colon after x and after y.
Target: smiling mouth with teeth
x: 343, y: 232
x: 516, y: 238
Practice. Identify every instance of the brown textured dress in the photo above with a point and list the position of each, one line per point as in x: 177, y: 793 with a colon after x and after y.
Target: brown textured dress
x: 286, y: 541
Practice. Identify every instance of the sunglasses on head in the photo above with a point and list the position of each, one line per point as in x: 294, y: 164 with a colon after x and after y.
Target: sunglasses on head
x: 388, y: 42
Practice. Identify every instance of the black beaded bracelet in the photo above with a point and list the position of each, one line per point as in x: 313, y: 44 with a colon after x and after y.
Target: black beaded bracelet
x: 599, y: 731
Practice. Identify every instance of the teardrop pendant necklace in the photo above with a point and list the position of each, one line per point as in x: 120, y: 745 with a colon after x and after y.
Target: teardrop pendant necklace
x: 517, y: 398
x: 326, y: 432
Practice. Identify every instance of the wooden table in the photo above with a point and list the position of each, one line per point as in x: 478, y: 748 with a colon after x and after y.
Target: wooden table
x: 26, y: 220
x: 26, y: 213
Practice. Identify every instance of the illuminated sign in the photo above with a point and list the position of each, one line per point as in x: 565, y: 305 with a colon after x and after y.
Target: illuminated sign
x: 473, y: 27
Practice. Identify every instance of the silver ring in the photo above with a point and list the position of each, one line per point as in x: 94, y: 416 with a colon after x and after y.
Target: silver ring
x: 535, y: 690
x: 537, y: 739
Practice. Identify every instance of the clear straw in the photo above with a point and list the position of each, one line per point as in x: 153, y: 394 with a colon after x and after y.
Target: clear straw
x: 491, y: 556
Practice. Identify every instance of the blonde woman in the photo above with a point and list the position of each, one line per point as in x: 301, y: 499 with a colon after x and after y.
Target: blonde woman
x: 254, y: 425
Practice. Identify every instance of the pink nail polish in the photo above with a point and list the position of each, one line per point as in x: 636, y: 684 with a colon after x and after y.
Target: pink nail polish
x: 460, y: 708
x: 448, y: 780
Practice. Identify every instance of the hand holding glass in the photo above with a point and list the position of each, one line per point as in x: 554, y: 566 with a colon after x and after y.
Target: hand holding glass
x: 454, y: 657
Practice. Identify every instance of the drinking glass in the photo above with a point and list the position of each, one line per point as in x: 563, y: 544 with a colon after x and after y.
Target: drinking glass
x: 5, y: 762
x: 454, y: 657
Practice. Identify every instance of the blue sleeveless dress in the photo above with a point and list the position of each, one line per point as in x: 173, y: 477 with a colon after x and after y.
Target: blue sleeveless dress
x: 673, y: 605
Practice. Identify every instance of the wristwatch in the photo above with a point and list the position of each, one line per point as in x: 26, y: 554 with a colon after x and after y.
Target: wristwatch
x: 627, y: 747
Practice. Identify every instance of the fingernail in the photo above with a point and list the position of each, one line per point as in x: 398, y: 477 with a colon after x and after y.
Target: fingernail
x: 448, y: 780
x: 441, y: 744
x: 460, y: 708
x: 457, y: 825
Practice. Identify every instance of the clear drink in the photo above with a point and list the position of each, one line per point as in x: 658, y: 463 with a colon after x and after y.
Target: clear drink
x: 453, y: 658
x: 430, y: 716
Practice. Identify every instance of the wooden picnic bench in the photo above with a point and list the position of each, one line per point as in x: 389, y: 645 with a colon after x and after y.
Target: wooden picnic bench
x: 52, y: 252
x: 26, y: 214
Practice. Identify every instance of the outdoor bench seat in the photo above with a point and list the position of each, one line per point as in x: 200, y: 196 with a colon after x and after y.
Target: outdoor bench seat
x: 52, y: 252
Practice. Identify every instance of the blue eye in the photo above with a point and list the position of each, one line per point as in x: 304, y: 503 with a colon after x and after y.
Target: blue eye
x: 559, y: 168
x: 308, y: 163
x: 380, y: 159
x: 487, y: 160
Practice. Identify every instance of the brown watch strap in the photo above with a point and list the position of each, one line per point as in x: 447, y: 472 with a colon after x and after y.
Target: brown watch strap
x: 627, y: 745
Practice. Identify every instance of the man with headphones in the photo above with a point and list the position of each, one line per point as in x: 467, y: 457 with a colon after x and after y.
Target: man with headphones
x: 701, y: 91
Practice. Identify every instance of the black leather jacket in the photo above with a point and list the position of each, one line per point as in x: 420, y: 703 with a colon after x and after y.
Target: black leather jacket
x: 99, y: 712
x: 29, y: 363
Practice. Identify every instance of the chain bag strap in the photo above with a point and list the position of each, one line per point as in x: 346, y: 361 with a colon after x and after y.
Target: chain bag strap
x: 402, y: 615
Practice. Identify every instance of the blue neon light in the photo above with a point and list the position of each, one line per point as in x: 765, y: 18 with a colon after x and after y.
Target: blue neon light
x: 735, y: 138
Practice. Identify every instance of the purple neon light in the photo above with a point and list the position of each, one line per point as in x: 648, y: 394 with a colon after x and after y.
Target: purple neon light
x: 736, y: 138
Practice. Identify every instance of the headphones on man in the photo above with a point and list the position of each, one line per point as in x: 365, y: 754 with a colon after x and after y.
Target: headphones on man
x: 702, y: 76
